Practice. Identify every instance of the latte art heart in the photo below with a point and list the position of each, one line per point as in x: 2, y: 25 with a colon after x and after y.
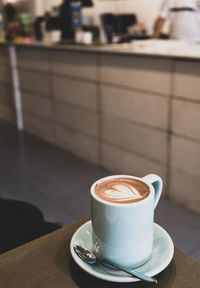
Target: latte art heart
x: 122, y: 190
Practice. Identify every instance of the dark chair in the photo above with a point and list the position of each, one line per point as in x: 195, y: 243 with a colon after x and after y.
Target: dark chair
x: 20, y: 223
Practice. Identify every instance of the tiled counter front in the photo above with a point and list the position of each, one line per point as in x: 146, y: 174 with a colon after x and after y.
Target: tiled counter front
x: 135, y: 97
x: 6, y: 93
x: 75, y: 92
x: 130, y: 114
x: 185, y: 142
x: 35, y: 82
x: 59, y: 95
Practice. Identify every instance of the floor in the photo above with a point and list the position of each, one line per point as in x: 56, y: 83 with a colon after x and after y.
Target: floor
x: 58, y: 184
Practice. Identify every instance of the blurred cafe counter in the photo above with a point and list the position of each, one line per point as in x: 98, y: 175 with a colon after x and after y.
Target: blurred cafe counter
x: 132, y: 108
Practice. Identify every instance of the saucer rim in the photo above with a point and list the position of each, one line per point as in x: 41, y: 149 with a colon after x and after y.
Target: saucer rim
x: 123, y: 279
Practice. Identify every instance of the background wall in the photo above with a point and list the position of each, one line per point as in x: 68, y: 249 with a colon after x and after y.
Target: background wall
x: 145, y: 9
x: 22, y: 6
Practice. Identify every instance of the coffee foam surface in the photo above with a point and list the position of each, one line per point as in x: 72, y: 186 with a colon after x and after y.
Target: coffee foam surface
x: 122, y: 190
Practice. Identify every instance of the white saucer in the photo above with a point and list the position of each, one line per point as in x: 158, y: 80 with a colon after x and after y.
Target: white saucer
x: 163, y: 251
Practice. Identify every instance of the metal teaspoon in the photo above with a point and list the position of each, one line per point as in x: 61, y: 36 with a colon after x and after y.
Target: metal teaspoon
x: 90, y: 258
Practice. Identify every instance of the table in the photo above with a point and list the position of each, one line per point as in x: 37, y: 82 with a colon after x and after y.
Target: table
x: 46, y: 263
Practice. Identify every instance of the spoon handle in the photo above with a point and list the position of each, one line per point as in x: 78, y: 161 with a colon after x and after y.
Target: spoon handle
x: 130, y: 272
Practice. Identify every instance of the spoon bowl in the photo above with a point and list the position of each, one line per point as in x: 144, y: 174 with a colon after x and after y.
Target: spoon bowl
x: 91, y: 258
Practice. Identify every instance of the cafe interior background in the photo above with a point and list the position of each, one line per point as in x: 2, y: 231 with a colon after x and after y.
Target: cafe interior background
x: 102, y: 103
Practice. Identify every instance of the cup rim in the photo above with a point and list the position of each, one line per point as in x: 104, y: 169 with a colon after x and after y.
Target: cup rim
x: 138, y: 203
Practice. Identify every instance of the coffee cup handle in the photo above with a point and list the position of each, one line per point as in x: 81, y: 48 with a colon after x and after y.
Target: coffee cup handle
x: 157, y: 184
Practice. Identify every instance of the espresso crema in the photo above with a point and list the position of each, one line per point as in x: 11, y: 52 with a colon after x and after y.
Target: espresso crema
x: 122, y: 190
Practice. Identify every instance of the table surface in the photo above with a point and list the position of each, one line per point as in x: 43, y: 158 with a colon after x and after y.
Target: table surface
x: 46, y: 262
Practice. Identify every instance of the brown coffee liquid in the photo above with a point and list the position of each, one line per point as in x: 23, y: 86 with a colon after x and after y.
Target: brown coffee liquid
x: 122, y: 190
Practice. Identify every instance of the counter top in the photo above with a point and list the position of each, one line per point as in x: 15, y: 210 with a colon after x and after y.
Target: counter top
x: 153, y: 48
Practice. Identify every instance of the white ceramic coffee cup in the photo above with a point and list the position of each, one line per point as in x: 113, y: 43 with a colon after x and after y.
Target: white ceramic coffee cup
x: 123, y: 233
x: 79, y: 36
x: 87, y: 38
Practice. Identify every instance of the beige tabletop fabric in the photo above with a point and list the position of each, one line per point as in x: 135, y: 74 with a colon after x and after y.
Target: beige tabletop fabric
x: 46, y: 263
